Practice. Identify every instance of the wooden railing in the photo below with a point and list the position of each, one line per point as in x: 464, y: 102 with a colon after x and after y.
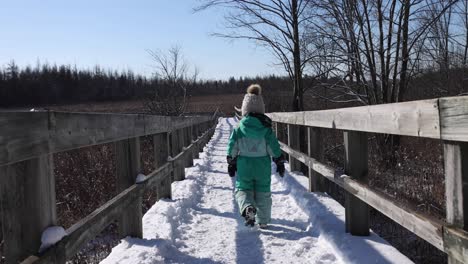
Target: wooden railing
x: 445, y: 119
x: 237, y: 113
x: 27, y: 142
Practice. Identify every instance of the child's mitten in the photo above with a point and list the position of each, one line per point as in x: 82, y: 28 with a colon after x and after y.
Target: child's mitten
x: 279, y: 161
x: 232, y: 165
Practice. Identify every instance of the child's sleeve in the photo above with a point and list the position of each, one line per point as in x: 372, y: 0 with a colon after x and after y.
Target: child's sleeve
x: 274, y: 148
x: 233, y: 149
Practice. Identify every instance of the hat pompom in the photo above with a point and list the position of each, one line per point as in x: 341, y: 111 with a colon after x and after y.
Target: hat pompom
x: 254, y: 89
x: 253, y: 101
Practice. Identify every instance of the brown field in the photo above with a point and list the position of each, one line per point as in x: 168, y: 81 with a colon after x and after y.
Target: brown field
x: 196, y: 104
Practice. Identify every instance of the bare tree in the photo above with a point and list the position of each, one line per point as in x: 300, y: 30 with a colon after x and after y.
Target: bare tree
x: 277, y: 25
x: 169, y: 96
x: 378, y: 43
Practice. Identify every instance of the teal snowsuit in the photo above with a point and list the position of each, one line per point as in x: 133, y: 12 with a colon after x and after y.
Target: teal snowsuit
x: 254, y: 143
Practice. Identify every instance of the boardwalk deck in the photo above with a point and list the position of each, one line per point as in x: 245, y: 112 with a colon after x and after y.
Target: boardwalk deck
x: 201, y: 224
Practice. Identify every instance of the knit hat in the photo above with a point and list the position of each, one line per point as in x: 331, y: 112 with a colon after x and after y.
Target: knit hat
x: 253, y: 101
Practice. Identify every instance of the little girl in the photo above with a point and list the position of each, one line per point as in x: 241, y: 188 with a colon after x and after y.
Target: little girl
x: 251, y: 146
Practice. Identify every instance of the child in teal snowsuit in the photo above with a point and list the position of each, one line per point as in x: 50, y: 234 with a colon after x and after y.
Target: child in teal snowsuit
x: 251, y: 146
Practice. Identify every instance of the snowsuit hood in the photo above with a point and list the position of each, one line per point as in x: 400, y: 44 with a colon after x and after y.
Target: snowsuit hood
x: 255, y: 125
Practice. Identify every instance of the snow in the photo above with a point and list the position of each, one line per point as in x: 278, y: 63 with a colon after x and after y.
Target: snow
x: 201, y: 223
x: 50, y: 236
x: 140, y: 178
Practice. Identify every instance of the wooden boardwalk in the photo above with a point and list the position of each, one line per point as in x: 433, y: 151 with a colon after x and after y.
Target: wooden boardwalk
x: 28, y: 140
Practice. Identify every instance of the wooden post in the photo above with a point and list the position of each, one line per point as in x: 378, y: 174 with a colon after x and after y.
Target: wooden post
x: 293, y: 142
x: 316, y: 181
x: 188, y: 140
x: 193, y: 130
x: 456, y: 188
x: 188, y: 135
x: 28, y: 205
x: 180, y: 169
x: 194, y: 138
x: 177, y: 145
x: 181, y: 138
x: 161, y: 153
x: 199, y: 133
x: 173, y: 152
x: 174, y: 142
x: 356, y: 156
x: 202, y: 131
x: 128, y: 165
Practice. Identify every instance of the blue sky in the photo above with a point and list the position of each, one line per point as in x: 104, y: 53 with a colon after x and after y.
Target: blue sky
x: 116, y: 34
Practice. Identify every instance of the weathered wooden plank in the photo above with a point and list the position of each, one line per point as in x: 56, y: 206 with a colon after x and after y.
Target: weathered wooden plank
x: 12, y: 205
x: 203, y: 134
x: 454, y: 118
x: 314, y: 144
x: 90, y: 226
x: 456, y: 192
x: 356, y: 156
x: 456, y: 182
x: 30, y: 260
x: 28, y: 205
x: 161, y: 153
x: 424, y: 227
x: 324, y: 170
x: 173, y: 144
x: 23, y: 136
x: 416, y: 118
x: 128, y: 166
x: 181, y: 138
x: 178, y: 165
x: 195, y: 142
x: 40, y: 204
x: 293, y: 142
x: 161, y: 149
x: 456, y: 245
x: 26, y: 135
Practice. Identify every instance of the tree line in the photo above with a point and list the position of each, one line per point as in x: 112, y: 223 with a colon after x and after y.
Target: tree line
x: 45, y: 84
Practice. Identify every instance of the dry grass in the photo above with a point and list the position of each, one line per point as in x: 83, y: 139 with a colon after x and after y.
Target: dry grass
x: 196, y: 104
x: 85, y: 180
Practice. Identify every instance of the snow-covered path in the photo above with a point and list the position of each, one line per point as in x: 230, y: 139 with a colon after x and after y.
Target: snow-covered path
x: 201, y: 223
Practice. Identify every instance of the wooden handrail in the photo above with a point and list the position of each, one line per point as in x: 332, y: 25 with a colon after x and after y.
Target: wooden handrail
x: 25, y: 135
x: 89, y: 227
x: 28, y: 138
x: 443, y: 118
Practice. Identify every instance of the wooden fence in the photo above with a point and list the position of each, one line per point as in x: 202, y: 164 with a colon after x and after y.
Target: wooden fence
x: 445, y: 119
x: 27, y: 190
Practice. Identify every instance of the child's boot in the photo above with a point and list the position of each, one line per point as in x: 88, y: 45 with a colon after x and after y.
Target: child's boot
x: 249, y: 215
